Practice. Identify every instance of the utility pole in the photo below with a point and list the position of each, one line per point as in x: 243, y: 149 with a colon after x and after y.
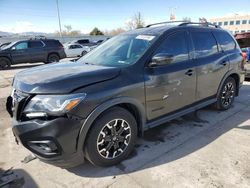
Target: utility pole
x: 59, y: 20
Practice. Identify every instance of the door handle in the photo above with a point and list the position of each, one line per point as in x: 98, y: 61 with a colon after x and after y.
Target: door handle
x: 224, y: 63
x: 189, y: 72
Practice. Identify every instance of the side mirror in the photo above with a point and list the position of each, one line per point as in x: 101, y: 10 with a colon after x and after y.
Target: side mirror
x: 161, y: 59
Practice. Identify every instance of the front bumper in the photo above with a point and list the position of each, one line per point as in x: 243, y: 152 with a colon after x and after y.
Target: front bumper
x: 52, y: 141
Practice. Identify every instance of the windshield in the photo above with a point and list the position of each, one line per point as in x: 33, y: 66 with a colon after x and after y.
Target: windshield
x: 120, y: 50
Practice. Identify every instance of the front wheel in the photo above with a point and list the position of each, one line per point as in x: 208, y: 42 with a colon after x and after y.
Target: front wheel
x: 226, y: 95
x: 111, y: 138
x: 84, y: 53
x: 4, y: 63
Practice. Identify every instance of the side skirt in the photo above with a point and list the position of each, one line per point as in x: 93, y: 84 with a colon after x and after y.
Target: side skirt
x: 179, y: 113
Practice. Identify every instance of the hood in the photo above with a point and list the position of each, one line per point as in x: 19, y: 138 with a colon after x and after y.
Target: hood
x: 62, y: 77
x: 243, y: 39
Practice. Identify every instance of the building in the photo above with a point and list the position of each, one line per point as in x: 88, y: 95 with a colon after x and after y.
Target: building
x: 236, y: 23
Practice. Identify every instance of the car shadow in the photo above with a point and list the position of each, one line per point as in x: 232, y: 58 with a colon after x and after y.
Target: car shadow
x: 16, y: 178
x: 173, y: 140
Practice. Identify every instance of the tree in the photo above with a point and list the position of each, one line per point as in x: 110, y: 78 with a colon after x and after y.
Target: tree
x: 69, y: 31
x: 96, y: 31
x: 114, y: 31
x: 68, y: 28
x: 186, y: 19
x: 135, y: 22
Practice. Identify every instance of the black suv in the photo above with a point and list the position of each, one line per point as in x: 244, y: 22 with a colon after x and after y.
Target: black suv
x: 96, y: 107
x: 30, y: 51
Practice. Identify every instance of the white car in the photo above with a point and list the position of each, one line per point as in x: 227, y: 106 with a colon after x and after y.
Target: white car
x: 76, y: 50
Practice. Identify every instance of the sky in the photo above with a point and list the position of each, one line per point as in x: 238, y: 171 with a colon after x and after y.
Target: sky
x: 41, y: 15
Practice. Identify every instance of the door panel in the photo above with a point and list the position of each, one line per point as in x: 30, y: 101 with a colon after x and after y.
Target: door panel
x: 37, y: 51
x: 171, y: 86
x: 20, y: 53
x: 210, y: 71
x: 212, y: 63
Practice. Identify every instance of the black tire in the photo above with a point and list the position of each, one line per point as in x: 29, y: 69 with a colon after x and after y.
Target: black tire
x: 4, y: 63
x: 226, y: 94
x: 84, y: 53
x: 52, y: 58
x: 100, y: 137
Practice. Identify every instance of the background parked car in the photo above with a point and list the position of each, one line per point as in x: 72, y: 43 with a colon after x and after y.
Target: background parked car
x: 31, y: 51
x: 243, y: 40
x: 76, y: 50
x: 84, y: 42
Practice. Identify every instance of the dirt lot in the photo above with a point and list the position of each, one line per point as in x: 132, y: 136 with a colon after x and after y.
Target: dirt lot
x: 204, y: 149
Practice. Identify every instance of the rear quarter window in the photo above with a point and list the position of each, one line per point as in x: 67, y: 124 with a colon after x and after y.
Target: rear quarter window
x: 204, y: 43
x: 225, y: 40
x: 52, y: 43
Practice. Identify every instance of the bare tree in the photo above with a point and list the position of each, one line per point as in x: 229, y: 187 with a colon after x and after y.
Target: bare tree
x: 135, y: 22
x: 186, y: 19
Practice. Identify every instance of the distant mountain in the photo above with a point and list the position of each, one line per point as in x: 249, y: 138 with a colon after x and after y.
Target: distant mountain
x: 2, y: 33
x: 31, y: 33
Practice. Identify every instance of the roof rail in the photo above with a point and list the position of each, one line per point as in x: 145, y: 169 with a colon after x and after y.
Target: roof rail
x: 168, y: 22
x: 184, y: 23
x: 207, y: 24
x: 38, y: 38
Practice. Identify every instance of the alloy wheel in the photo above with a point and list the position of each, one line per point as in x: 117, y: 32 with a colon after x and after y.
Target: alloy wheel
x: 228, y: 94
x: 114, y: 138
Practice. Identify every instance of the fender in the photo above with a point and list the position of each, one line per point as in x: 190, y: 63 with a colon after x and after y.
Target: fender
x: 101, y: 108
x: 225, y: 77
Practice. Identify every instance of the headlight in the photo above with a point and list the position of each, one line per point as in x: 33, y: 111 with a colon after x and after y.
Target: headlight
x: 41, y: 105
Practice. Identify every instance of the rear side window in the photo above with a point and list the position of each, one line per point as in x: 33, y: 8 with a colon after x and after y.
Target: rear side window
x: 35, y: 44
x: 204, y: 44
x: 53, y: 43
x: 83, y: 41
x: 225, y: 40
x: 175, y: 45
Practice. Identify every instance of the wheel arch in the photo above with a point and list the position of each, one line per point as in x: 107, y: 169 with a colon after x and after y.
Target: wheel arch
x: 235, y: 76
x: 132, y: 105
x: 51, y: 53
x: 7, y: 57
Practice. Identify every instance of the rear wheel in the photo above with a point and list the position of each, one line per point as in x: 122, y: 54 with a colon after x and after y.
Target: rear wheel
x: 112, y: 137
x: 52, y: 58
x: 4, y: 63
x: 84, y: 53
x: 227, y: 93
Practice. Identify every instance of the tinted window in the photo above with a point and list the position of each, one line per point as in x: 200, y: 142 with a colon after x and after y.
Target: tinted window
x: 35, y: 44
x: 238, y: 22
x: 21, y: 46
x: 78, y: 46
x: 175, y: 45
x: 220, y: 23
x: 226, y: 23
x: 204, y: 43
x: 244, y: 21
x: 52, y: 43
x: 225, y: 40
x: 83, y: 41
x: 231, y: 22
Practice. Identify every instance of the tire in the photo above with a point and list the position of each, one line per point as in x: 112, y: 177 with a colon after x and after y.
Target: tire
x: 84, y: 53
x: 52, y: 58
x: 4, y: 63
x: 115, y: 120
x: 226, y: 94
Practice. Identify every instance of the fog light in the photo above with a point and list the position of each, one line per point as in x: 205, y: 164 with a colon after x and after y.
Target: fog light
x: 46, y: 147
